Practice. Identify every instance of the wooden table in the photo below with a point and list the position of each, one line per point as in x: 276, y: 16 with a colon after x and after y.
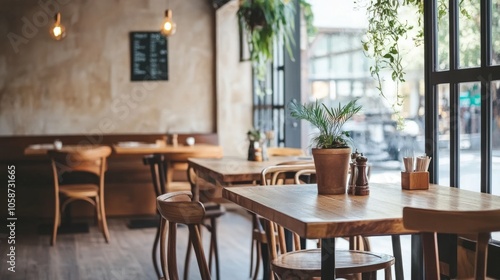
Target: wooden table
x: 171, y: 155
x: 235, y: 170
x: 42, y: 149
x: 302, y: 210
x: 174, y: 152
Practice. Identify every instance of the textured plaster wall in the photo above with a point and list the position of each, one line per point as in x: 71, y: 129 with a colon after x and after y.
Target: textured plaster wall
x: 234, y: 88
x: 82, y: 83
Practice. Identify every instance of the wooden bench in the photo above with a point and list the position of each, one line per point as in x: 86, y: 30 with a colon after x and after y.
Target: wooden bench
x: 128, y: 186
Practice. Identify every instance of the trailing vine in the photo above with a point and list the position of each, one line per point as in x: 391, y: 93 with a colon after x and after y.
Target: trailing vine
x: 385, y: 29
x: 308, y: 17
x: 382, y: 42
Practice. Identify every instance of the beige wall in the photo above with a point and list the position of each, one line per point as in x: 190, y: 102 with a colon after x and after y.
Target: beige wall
x: 82, y: 84
x: 234, y: 95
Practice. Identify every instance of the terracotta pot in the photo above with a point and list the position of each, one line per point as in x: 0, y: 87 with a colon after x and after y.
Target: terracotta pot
x: 332, y: 167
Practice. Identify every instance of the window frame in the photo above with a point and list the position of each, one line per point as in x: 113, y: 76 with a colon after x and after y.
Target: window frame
x: 486, y: 73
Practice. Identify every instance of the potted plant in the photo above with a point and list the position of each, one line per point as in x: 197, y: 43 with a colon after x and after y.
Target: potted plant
x: 331, y: 150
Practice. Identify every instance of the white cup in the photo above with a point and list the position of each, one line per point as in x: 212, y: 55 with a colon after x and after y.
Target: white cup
x: 58, y: 144
x: 190, y: 141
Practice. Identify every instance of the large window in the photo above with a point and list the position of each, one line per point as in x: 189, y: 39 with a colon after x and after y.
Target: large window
x: 462, y: 86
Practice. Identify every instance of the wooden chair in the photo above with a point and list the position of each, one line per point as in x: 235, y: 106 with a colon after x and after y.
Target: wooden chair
x: 177, y: 207
x: 212, y: 212
x: 69, y: 163
x: 296, y: 263
x: 258, y: 232
x: 478, y: 224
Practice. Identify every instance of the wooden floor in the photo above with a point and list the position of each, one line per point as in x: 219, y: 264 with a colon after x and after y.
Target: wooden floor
x: 128, y: 255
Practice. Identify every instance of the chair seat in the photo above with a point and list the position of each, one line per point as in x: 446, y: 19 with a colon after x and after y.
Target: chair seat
x: 308, y: 262
x: 79, y: 190
x: 213, y: 210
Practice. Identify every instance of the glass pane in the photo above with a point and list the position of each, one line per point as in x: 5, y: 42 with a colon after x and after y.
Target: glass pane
x: 321, y: 46
x: 470, y: 136
x: 320, y: 68
x: 444, y: 134
x: 443, y: 42
x: 341, y: 66
x: 495, y: 32
x: 340, y: 42
x: 470, y: 34
x: 495, y: 94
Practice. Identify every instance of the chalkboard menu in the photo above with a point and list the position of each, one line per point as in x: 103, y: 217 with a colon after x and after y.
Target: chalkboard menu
x: 149, y: 60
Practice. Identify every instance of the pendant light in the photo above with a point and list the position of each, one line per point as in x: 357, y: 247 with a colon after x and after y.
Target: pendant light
x: 57, y: 31
x: 168, y: 25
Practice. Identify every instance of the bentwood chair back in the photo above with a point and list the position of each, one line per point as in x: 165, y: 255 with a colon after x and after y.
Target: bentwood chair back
x: 299, y: 263
x: 177, y: 208
x: 258, y: 234
x: 68, y: 165
x: 478, y: 224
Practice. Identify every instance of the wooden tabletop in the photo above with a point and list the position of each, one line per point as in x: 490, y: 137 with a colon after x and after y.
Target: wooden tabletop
x: 228, y: 170
x: 302, y: 210
x: 41, y: 149
x: 198, y: 149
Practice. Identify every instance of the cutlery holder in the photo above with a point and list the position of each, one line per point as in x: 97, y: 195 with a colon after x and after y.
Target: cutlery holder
x: 415, y: 180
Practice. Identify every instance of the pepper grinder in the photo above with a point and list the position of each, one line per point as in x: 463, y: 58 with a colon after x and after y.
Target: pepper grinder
x: 352, y: 179
x: 361, y: 187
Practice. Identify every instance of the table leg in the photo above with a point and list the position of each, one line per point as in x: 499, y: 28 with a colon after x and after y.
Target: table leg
x: 417, y: 264
x: 396, y: 250
x: 328, y: 258
x: 266, y: 269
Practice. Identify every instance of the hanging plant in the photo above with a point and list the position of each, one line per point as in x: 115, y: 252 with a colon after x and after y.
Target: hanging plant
x: 308, y: 17
x: 385, y: 30
x: 265, y: 21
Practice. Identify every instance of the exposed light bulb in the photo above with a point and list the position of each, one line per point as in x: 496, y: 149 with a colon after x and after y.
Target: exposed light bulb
x: 57, y: 31
x: 168, y: 25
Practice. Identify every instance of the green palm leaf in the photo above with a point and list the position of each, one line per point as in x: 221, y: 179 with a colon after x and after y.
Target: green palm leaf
x: 329, y: 121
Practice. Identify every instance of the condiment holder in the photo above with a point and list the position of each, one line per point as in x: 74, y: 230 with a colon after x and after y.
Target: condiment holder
x: 415, y: 176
